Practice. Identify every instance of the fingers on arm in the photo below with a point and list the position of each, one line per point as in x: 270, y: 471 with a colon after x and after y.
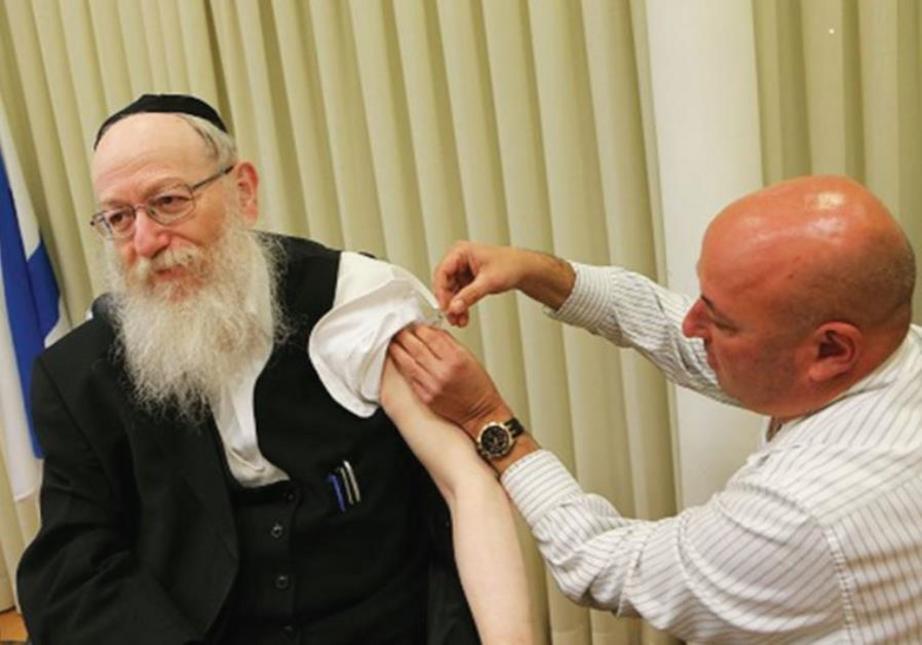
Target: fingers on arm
x: 440, y: 344
x: 411, y: 370
x: 427, y: 357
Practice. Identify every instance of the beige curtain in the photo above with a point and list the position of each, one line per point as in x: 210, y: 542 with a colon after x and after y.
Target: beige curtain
x: 399, y: 126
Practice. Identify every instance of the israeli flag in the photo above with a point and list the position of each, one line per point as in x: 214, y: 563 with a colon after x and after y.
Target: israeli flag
x: 31, y: 318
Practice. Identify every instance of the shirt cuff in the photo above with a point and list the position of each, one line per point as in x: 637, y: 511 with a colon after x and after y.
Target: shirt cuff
x: 539, y: 482
x: 587, y: 304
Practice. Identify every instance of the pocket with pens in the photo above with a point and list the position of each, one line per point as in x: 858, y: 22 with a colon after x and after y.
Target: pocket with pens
x: 345, y: 486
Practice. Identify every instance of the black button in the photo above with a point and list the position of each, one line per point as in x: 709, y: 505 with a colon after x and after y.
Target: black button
x: 291, y: 496
x: 290, y: 631
x: 282, y: 581
x: 277, y: 530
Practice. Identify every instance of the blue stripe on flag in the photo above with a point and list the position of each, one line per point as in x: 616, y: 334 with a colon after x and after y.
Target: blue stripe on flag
x: 44, y: 290
x: 31, y: 294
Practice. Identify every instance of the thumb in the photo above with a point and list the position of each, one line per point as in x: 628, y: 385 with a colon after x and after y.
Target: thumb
x: 469, y: 296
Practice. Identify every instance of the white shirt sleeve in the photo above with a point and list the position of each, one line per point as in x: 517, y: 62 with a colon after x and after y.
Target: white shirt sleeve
x: 750, y: 565
x: 374, y: 300
x: 633, y: 311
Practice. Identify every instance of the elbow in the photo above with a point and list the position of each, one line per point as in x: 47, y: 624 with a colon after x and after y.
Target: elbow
x: 480, y: 489
x: 584, y: 585
x: 467, y: 479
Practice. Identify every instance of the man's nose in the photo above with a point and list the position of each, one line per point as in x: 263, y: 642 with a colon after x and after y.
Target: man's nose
x: 149, y: 237
x: 693, y: 325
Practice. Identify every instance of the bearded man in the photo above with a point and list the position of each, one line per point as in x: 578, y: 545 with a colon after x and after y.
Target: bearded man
x: 203, y: 483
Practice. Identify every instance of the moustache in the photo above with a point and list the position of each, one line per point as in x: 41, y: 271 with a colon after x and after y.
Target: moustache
x: 183, y: 257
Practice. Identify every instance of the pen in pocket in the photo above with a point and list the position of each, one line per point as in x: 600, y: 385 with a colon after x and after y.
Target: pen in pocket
x: 345, y: 486
x: 337, y: 491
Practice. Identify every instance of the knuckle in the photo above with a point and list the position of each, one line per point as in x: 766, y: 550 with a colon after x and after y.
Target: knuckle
x: 489, y: 281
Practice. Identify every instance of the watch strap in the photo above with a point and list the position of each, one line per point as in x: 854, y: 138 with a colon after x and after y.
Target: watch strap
x: 514, y: 426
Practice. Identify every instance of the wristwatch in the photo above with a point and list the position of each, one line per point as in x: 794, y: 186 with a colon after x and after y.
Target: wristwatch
x: 497, y: 438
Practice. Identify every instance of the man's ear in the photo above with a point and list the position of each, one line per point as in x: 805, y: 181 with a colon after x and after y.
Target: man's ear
x: 246, y: 181
x: 836, y: 348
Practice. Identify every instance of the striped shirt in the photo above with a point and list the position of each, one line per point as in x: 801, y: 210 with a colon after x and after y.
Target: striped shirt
x: 817, y: 538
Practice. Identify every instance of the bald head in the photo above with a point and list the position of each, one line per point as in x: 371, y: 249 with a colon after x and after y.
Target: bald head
x: 153, y: 139
x: 806, y: 288
x: 824, y: 248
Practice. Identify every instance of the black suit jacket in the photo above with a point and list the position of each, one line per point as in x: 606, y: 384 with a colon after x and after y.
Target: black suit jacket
x: 138, y: 541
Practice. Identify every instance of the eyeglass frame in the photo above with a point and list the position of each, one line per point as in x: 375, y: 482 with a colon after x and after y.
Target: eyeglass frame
x: 101, y: 225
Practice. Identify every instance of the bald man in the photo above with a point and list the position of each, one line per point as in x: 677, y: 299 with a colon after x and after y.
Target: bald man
x: 804, y: 316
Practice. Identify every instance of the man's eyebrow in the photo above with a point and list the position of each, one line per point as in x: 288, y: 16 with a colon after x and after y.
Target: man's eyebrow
x: 710, y: 305
x: 164, y: 182
x: 149, y: 191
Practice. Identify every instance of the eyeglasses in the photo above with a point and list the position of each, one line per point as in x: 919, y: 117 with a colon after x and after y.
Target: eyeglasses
x: 168, y: 207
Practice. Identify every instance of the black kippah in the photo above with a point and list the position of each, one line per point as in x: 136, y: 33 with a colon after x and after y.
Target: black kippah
x: 163, y: 103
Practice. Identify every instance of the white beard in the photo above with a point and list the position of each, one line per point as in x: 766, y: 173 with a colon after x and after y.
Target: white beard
x: 186, y: 340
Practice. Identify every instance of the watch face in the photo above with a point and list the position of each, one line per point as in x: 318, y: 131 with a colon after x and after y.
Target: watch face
x: 495, y: 441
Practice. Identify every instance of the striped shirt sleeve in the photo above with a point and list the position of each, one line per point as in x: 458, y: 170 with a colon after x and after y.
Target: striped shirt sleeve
x: 633, y: 311
x: 750, y: 564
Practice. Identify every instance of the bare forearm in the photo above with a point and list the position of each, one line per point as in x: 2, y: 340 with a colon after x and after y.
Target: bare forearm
x: 490, y: 561
x: 546, y: 278
x: 486, y: 547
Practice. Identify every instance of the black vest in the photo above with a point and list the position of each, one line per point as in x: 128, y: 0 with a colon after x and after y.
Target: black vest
x: 322, y: 560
